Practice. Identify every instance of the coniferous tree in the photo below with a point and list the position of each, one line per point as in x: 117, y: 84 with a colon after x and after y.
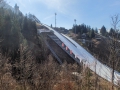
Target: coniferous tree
x: 103, y: 31
x: 6, y: 34
x: 25, y: 28
x: 111, y: 32
x: 51, y: 25
x: 96, y: 30
x: 92, y: 34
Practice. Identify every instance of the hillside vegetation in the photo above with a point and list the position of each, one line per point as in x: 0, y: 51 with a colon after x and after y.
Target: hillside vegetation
x: 27, y: 64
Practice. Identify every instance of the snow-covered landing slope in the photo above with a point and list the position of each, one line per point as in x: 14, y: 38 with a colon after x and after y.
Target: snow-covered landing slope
x: 101, y: 69
x: 84, y: 56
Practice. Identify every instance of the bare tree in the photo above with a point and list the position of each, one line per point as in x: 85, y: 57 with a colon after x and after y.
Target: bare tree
x: 114, y: 46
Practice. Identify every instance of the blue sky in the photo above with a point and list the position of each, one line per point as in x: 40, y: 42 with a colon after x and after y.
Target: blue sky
x: 95, y: 13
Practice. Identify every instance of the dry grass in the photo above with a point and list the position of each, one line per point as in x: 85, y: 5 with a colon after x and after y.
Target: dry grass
x: 49, y: 75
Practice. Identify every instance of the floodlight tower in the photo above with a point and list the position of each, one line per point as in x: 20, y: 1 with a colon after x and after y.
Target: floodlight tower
x: 75, y: 25
x: 55, y: 20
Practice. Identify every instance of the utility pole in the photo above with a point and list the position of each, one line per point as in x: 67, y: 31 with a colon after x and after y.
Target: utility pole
x: 55, y: 20
x: 75, y: 25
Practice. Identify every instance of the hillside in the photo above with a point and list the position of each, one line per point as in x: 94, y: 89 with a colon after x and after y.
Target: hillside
x: 27, y: 64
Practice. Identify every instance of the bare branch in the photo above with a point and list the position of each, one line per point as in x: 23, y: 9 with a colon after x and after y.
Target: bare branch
x: 115, y: 21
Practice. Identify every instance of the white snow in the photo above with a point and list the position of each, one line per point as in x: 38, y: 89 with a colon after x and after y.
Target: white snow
x: 84, y: 56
